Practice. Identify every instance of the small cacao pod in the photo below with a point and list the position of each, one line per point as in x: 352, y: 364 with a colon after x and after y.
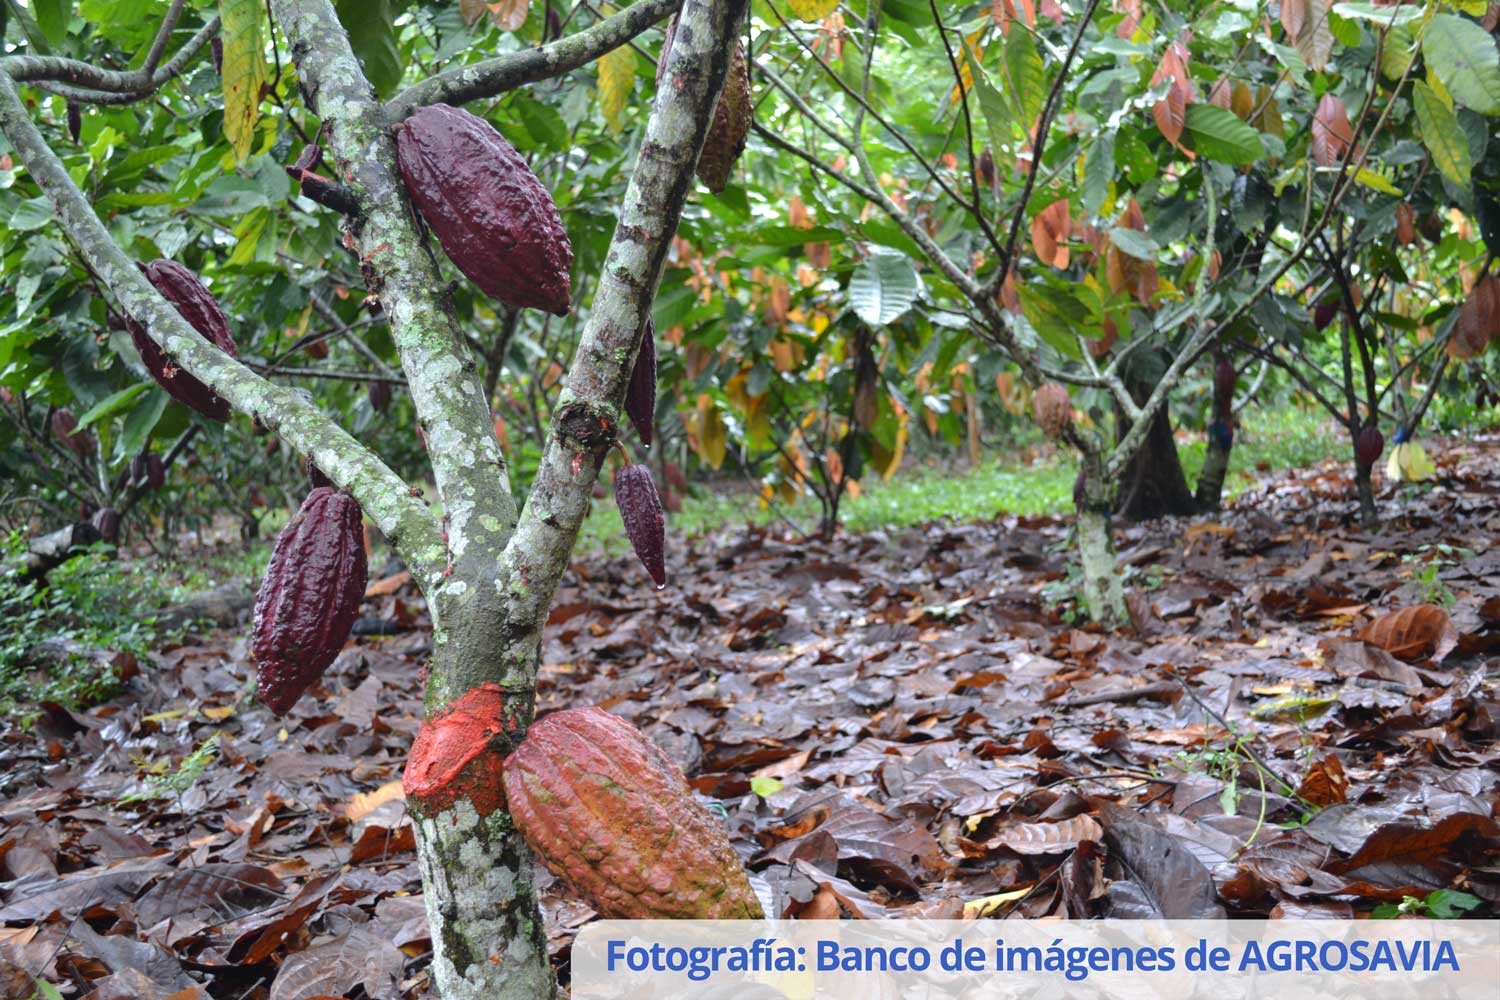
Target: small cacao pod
x: 672, y: 473
x: 733, y: 116
x: 138, y: 470
x: 217, y: 48
x: 75, y: 120
x: 1224, y: 382
x: 156, y: 472
x: 612, y: 816
x: 379, y: 394
x: 65, y: 429
x: 1323, y: 314
x: 1368, y: 446
x: 1406, y: 225
x: 987, y: 168
x: 194, y: 303
x: 640, y: 510
x: 494, y: 219
x: 1052, y: 409
x: 309, y: 597
x: 107, y: 520
x: 553, y: 29
x: 640, y: 395
x: 1430, y: 225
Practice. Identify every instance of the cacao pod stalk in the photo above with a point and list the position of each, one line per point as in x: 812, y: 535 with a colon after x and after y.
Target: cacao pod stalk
x: 309, y: 597
x: 613, y: 817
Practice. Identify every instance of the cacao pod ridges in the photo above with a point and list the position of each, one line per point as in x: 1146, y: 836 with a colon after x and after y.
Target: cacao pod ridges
x: 641, y: 511
x: 458, y: 754
x: 196, y: 304
x: 309, y: 597
x: 1052, y: 409
x: 610, y: 814
x: 490, y: 213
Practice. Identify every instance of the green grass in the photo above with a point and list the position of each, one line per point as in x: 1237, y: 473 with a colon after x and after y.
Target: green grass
x: 1281, y: 439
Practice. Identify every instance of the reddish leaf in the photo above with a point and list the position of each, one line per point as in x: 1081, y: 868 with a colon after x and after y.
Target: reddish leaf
x: 1331, y: 132
x: 1420, y: 632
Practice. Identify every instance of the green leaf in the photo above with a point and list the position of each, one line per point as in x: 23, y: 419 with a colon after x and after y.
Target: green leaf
x: 1218, y: 134
x: 113, y: 404
x: 52, y: 18
x: 883, y: 288
x: 765, y: 787
x: 142, y: 421
x: 1448, y: 904
x: 244, y: 71
x: 1134, y: 242
x: 1441, y: 133
x: 34, y: 213
x: 813, y: 10
x: 372, y: 34
x: 34, y: 36
x: 1055, y: 314
x: 1465, y: 59
x: 1379, y: 16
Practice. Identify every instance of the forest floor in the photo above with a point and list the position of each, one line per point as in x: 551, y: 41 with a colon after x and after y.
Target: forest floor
x: 895, y: 723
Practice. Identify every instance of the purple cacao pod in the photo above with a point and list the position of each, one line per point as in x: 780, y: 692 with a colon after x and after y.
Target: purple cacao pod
x: 1368, y: 446
x: 640, y: 510
x: 640, y: 395
x: 107, y: 520
x: 310, y: 596
x: 75, y: 120
x: 194, y: 303
x: 379, y: 394
x: 156, y: 472
x: 490, y: 213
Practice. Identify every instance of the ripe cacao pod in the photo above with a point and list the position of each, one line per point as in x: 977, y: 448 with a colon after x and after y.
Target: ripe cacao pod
x: 107, y: 520
x: 65, y: 429
x: 1323, y: 314
x: 610, y: 814
x: 640, y: 395
x: 138, y: 470
x: 75, y: 120
x: 156, y: 472
x: 379, y: 394
x: 494, y: 219
x: 1368, y: 446
x: 310, y: 596
x: 640, y: 510
x: 987, y: 168
x: 1052, y: 409
x: 733, y: 116
x: 195, y: 304
x: 1430, y: 225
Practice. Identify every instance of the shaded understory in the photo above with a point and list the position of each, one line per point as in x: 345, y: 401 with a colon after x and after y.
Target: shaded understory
x: 939, y: 738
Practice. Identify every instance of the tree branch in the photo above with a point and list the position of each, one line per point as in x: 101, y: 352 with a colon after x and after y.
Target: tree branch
x: 84, y: 82
x: 507, y: 72
x: 383, y: 495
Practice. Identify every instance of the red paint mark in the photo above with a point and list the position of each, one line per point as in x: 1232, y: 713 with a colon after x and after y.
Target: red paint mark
x: 457, y: 754
x: 577, y: 464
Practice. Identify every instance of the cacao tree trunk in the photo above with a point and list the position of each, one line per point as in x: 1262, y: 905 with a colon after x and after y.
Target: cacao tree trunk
x: 1368, y: 515
x: 1210, y: 490
x: 1103, y: 592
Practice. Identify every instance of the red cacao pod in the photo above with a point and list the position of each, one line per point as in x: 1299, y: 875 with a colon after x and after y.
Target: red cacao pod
x: 309, y: 597
x: 1052, y: 409
x: 156, y: 472
x: 194, y: 303
x: 1368, y: 446
x: 65, y: 429
x: 494, y: 219
x: 379, y: 394
x: 610, y: 814
x: 640, y: 510
x: 1406, y: 224
x: 640, y: 395
x: 1224, y: 378
x: 673, y: 474
x: 107, y: 520
x: 733, y: 115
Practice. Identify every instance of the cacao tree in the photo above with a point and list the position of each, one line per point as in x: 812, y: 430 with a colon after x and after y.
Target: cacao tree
x: 487, y: 566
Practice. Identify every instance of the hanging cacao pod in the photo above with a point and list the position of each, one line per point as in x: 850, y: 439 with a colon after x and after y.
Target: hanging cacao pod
x: 610, y: 814
x: 75, y: 120
x: 194, y: 303
x: 987, y: 168
x: 65, y: 429
x: 138, y: 471
x: 156, y: 472
x: 1431, y: 226
x: 107, y: 521
x: 309, y: 597
x: 640, y: 510
x: 216, y: 47
x: 1406, y: 225
x: 1323, y: 314
x: 1368, y: 446
x: 1224, y: 382
x: 1052, y: 409
x: 640, y: 395
x: 379, y: 394
x: 494, y: 219
x: 733, y: 116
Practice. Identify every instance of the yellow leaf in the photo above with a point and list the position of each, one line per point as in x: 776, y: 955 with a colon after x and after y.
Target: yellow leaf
x: 219, y: 712
x: 978, y: 909
x: 361, y: 804
x: 244, y: 71
x: 813, y: 10
x: 1409, y: 463
x: 616, y: 81
x: 710, y: 437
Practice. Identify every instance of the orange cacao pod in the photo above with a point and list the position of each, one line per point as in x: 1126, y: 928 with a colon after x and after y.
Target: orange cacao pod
x: 610, y: 814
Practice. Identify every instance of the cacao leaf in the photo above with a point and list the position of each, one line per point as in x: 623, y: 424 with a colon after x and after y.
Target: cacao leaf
x: 244, y: 71
x: 883, y: 288
x: 1050, y: 229
x: 1331, y: 132
x: 509, y: 15
x: 1220, y: 135
x: 1444, y: 139
x: 812, y: 10
x: 616, y: 82
x: 1308, y: 30
x: 1420, y: 632
x: 1463, y: 56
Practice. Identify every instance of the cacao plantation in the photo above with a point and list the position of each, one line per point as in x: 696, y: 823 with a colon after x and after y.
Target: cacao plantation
x: 1077, y: 428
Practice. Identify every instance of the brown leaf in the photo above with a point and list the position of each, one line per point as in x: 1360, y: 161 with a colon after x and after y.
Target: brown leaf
x: 1171, y: 111
x: 1049, y: 233
x: 1048, y: 838
x: 1325, y: 784
x: 1416, y: 843
x: 1406, y: 224
x: 1420, y: 632
x: 1331, y: 132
